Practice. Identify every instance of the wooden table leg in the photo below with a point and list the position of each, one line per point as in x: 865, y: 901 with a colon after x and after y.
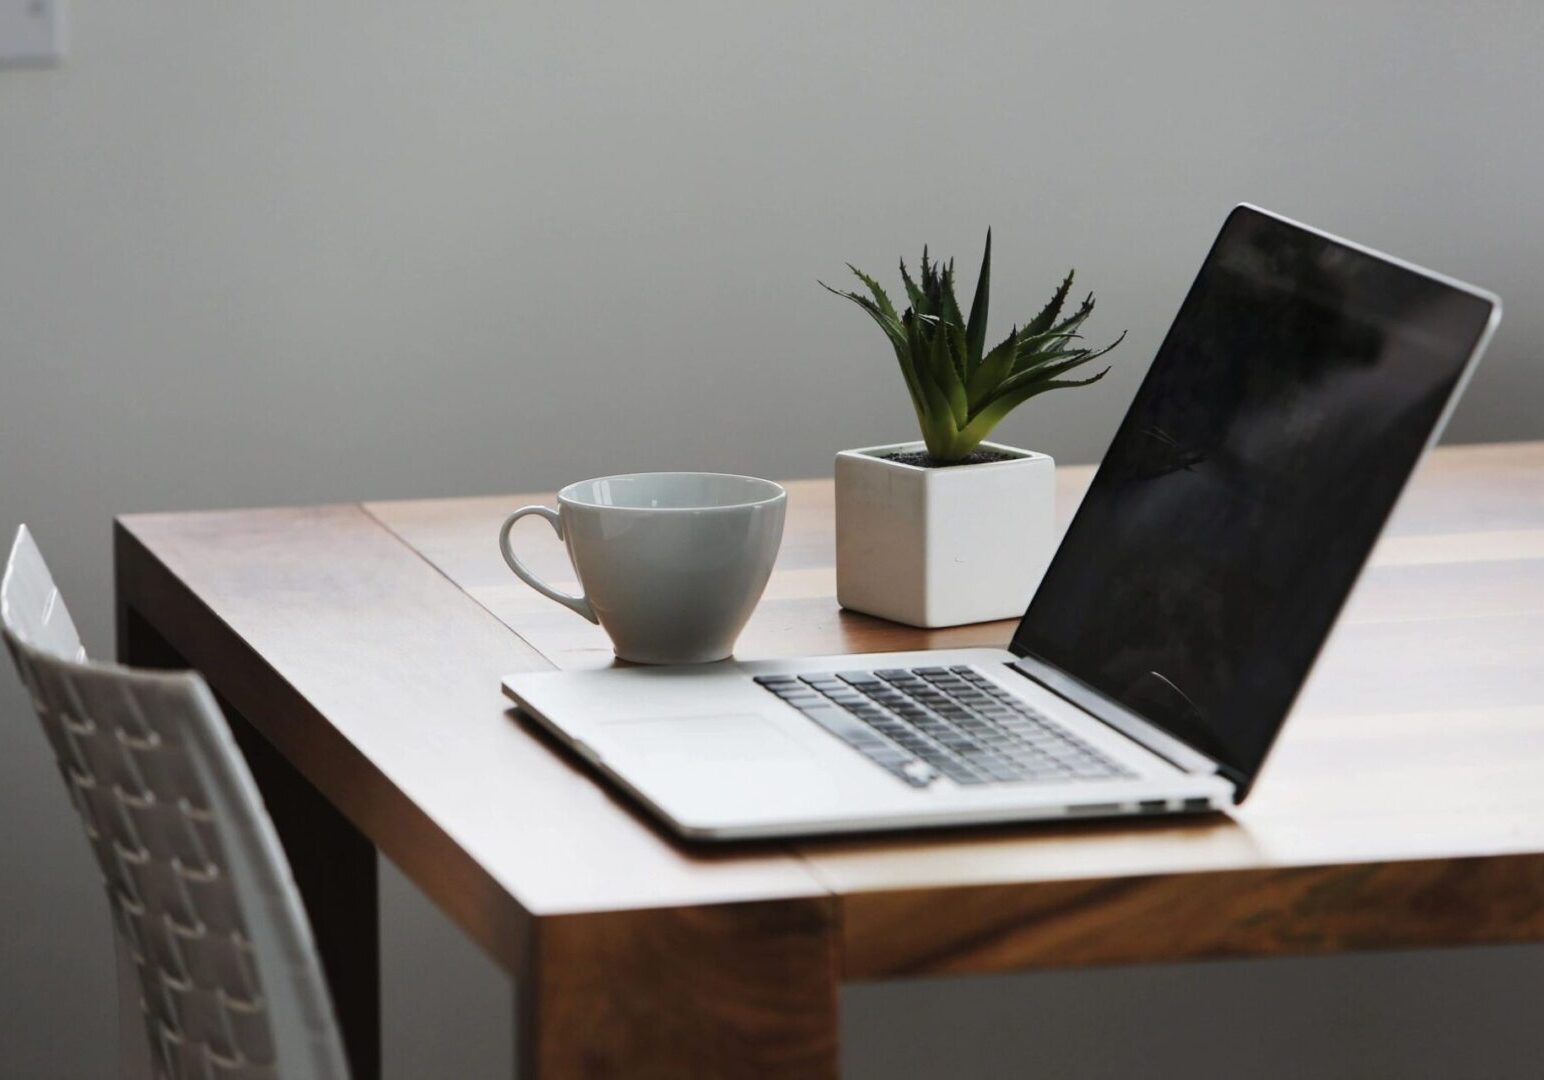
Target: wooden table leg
x: 736, y: 990
x: 334, y: 864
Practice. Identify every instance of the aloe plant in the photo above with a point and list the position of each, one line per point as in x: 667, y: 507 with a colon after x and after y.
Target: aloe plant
x: 960, y: 389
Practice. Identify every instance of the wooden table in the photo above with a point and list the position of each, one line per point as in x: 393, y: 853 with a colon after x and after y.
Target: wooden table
x: 359, y: 650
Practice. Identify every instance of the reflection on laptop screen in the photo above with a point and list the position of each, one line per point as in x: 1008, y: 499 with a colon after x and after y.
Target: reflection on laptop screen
x: 1248, y: 482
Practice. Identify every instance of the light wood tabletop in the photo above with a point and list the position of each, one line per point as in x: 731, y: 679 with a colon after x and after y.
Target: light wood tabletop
x: 359, y: 650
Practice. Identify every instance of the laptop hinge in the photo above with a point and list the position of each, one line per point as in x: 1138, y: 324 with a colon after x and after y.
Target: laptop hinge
x: 1144, y: 732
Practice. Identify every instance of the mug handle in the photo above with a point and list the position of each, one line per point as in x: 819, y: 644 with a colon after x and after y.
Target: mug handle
x: 580, y: 604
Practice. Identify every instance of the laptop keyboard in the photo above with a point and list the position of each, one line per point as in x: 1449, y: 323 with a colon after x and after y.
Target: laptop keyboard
x: 922, y: 723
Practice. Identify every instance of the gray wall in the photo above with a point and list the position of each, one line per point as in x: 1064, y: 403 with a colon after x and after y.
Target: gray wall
x: 289, y: 252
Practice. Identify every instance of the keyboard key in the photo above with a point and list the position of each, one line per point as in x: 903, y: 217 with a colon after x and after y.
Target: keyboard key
x: 841, y: 724
x: 859, y: 678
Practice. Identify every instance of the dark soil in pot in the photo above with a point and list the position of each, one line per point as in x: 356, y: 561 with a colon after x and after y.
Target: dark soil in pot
x: 923, y: 460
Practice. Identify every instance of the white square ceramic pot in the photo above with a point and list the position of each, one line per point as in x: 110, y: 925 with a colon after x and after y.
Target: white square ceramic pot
x: 942, y: 546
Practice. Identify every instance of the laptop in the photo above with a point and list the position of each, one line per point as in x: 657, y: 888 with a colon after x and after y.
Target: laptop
x: 1297, y: 389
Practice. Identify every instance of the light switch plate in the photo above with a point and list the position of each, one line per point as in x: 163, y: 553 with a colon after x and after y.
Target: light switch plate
x: 31, y: 32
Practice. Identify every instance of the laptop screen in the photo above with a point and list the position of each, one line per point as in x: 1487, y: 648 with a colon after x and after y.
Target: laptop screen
x: 1248, y: 482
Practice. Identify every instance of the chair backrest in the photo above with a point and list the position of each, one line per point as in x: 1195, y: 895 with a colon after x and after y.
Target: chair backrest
x: 200, y: 890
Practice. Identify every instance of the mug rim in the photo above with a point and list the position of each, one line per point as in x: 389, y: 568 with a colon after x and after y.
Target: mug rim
x: 565, y: 495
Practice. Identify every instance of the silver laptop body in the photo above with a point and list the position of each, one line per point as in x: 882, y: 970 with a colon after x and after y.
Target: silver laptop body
x: 1299, y: 386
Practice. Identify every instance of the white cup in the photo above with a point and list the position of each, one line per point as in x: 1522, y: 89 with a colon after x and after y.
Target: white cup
x: 671, y: 564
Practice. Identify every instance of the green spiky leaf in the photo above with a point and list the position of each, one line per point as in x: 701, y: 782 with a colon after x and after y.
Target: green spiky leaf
x: 1043, y: 321
x: 881, y: 298
x: 941, y: 367
x: 1075, y: 320
x: 975, y: 330
x: 1044, y: 374
x: 949, y: 307
x: 995, y: 366
x: 913, y: 293
x: 930, y: 290
x: 954, y: 344
x: 982, y: 423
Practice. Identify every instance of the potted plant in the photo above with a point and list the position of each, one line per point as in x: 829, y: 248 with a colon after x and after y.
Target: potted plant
x: 954, y: 529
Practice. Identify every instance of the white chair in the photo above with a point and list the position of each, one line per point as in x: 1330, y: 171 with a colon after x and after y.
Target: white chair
x: 228, y: 979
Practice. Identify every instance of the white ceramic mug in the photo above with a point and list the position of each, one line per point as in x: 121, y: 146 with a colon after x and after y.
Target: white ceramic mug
x: 671, y: 564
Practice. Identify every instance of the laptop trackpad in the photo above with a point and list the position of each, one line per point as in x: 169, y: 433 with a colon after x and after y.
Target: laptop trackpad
x: 740, y: 737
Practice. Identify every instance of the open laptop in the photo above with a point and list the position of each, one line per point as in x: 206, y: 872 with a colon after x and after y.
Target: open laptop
x: 1291, y: 399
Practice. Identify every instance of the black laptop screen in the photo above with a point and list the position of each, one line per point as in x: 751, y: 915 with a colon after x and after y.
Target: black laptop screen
x: 1248, y: 482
